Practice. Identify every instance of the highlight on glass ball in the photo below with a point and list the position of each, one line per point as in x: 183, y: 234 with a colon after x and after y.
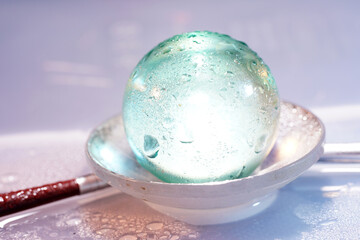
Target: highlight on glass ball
x: 201, y: 107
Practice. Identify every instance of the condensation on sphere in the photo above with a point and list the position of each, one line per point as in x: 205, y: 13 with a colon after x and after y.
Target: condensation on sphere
x: 201, y: 107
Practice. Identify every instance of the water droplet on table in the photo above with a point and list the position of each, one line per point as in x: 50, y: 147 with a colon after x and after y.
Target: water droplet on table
x: 155, y: 226
x: 128, y: 237
x: 9, y: 178
x: 142, y: 235
x: 73, y: 221
x: 105, y: 231
x: 53, y: 234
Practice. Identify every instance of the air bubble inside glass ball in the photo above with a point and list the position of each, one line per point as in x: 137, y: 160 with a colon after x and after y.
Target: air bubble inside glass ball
x: 201, y: 107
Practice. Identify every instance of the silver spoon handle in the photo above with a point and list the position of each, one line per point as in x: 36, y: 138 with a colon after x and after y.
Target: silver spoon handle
x: 341, y: 152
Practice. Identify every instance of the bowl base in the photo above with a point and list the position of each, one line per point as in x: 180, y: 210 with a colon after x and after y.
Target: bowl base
x: 217, y: 215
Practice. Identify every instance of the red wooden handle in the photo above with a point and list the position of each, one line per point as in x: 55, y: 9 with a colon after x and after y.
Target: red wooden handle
x: 20, y: 200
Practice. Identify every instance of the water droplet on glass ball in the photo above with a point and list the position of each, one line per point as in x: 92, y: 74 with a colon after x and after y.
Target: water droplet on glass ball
x: 229, y: 73
x: 168, y: 122
x: 151, y: 146
x: 260, y: 144
x: 184, y: 134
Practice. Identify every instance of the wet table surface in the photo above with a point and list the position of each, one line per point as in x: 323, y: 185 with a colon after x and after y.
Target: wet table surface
x: 63, y: 68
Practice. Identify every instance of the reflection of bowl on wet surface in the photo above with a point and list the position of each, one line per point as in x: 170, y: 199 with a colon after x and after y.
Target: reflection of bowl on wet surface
x: 299, y: 145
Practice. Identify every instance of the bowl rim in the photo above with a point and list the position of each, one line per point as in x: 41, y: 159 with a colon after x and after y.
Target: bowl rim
x: 280, y: 172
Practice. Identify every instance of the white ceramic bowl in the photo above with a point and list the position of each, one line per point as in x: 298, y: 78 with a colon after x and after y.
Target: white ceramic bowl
x: 299, y: 145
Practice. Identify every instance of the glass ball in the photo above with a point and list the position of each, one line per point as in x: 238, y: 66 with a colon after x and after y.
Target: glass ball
x: 201, y: 107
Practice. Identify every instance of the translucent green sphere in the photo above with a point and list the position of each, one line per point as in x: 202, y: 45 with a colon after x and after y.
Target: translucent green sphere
x: 201, y: 107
